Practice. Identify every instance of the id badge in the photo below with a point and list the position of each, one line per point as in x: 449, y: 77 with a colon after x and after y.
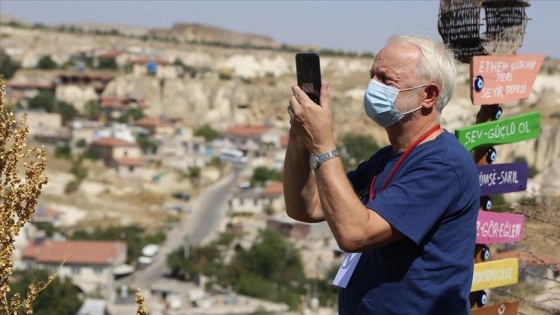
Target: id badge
x: 346, y: 269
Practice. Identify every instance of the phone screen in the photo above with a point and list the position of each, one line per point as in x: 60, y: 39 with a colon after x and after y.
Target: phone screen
x: 309, y: 74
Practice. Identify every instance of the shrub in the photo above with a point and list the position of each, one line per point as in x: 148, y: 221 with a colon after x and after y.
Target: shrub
x: 46, y: 63
x: 19, y: 195
x: 8, y: 67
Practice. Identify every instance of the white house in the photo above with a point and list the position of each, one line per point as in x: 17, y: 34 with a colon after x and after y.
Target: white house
x: 257, y: 201
x: 90, y: 264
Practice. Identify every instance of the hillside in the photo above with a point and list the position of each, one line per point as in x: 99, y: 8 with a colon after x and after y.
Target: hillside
x: 239, y: 84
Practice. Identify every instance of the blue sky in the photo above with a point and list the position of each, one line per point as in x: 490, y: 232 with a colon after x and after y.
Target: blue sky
x: 348, y: 25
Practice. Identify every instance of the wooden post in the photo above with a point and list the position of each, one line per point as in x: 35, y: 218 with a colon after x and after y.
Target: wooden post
x: 494, y: 80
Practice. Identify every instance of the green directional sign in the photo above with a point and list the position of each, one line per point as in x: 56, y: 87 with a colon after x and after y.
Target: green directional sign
x: 509, y: 130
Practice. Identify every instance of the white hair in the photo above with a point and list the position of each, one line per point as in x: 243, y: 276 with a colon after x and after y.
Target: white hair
x: 437, y: 64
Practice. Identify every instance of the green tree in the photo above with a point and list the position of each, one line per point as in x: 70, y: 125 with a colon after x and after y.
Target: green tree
x: 263, y: 174
x: 46, y: 63
x: 8, y: 67
x: 207, y: 259
x: 78, y: 170
x: 60, y: 297
x: 271, y: 269
x: 358, y: 149
x: 190, y: 262
x: 44, y: 100
x: 92, y: 109
x: 194, y: 173
x: 109, y: 63
x: 63, y: 151
x: 207, y: 132
x: 146, y: 144
x: 47, y: 101
x: 133, y: 113
x: 67, y: 111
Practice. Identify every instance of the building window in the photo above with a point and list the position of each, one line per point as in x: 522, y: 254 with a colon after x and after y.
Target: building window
x: 125, y: 153
x: 131, y: 169
x: 97, y: 270
x: 75, y: 270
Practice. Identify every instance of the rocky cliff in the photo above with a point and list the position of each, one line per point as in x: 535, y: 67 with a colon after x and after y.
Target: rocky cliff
x: 210, y: 34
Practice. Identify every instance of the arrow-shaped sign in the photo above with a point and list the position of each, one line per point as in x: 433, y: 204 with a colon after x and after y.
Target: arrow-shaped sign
x: 496, y: 273
x: 502, y: 79
x: 494, y: 227
x: 509, y: 130
x: 498, y: 179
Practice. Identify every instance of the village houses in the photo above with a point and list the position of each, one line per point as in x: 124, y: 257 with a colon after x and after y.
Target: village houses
x: 123, y: 156
x: 90, y: 264
x: 259, y: 200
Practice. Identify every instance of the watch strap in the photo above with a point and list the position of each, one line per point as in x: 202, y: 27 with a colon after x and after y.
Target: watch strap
x: 323, y: 157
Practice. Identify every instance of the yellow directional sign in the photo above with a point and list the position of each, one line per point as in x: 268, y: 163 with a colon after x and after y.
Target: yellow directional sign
x: 496, y: 273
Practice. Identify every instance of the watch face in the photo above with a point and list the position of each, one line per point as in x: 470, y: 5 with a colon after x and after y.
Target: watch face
x: 313, y: 162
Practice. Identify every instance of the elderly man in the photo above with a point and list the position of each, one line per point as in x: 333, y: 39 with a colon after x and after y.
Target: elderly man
x: 409, y: 212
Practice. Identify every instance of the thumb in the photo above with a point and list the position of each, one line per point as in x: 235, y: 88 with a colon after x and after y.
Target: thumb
x: 325, y: 97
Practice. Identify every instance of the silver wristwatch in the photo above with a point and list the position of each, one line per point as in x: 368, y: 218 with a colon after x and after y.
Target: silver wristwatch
x: 315, y: 160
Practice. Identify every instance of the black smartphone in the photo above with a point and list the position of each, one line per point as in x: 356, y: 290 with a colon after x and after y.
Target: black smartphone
x: 308, y: 70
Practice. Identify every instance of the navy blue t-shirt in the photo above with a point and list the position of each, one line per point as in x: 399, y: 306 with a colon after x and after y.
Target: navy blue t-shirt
x: 433, y: 200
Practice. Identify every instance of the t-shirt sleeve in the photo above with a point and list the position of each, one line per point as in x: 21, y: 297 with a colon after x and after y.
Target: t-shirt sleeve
x: 414, y: 201
x: 362, y: 175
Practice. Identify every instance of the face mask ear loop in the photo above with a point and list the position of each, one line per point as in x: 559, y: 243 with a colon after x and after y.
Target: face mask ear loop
x: 414, y: 87
x: 411, y: 111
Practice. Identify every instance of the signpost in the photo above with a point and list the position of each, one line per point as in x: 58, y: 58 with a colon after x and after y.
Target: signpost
x: 501, y: 79
x: 494, y: 227
x: 510, y: 130
x: 495, y: 273
x: 506, y: 308
x: 497, y: 76
x: 498, y: 179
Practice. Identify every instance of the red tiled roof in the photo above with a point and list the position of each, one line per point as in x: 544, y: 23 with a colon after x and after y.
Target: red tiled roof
x: 74, y: 252
x: 273, y: 189
x: 30, y: 85
x: 151, y: 122
x: 144, y: 60
x: 129, y: 162
x: 110, y: 102
x: 247, y: 130
x: 109, y: 54
x: 113, y: 142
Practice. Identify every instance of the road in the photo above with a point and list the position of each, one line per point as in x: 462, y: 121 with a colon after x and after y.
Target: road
x: 208, y: 211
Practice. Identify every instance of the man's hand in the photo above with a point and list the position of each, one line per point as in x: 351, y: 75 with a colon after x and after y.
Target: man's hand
x: 312, y: 123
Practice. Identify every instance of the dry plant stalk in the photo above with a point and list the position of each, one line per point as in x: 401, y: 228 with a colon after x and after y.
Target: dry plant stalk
x: 140, y: 302
x: 19, y: 196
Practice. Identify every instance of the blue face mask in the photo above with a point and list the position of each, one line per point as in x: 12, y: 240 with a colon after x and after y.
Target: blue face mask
x: 379, y: 102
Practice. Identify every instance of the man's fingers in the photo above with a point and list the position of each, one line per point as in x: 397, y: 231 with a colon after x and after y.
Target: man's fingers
x: 325, y: 96
x: 300, y: 95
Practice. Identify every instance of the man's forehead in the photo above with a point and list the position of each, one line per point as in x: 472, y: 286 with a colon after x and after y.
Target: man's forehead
x: 396, y: 56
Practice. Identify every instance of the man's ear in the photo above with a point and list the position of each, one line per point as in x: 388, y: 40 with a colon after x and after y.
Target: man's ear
x: 431, y: 95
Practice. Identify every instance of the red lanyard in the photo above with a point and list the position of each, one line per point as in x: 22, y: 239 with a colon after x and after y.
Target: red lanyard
x: 399, y: 162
